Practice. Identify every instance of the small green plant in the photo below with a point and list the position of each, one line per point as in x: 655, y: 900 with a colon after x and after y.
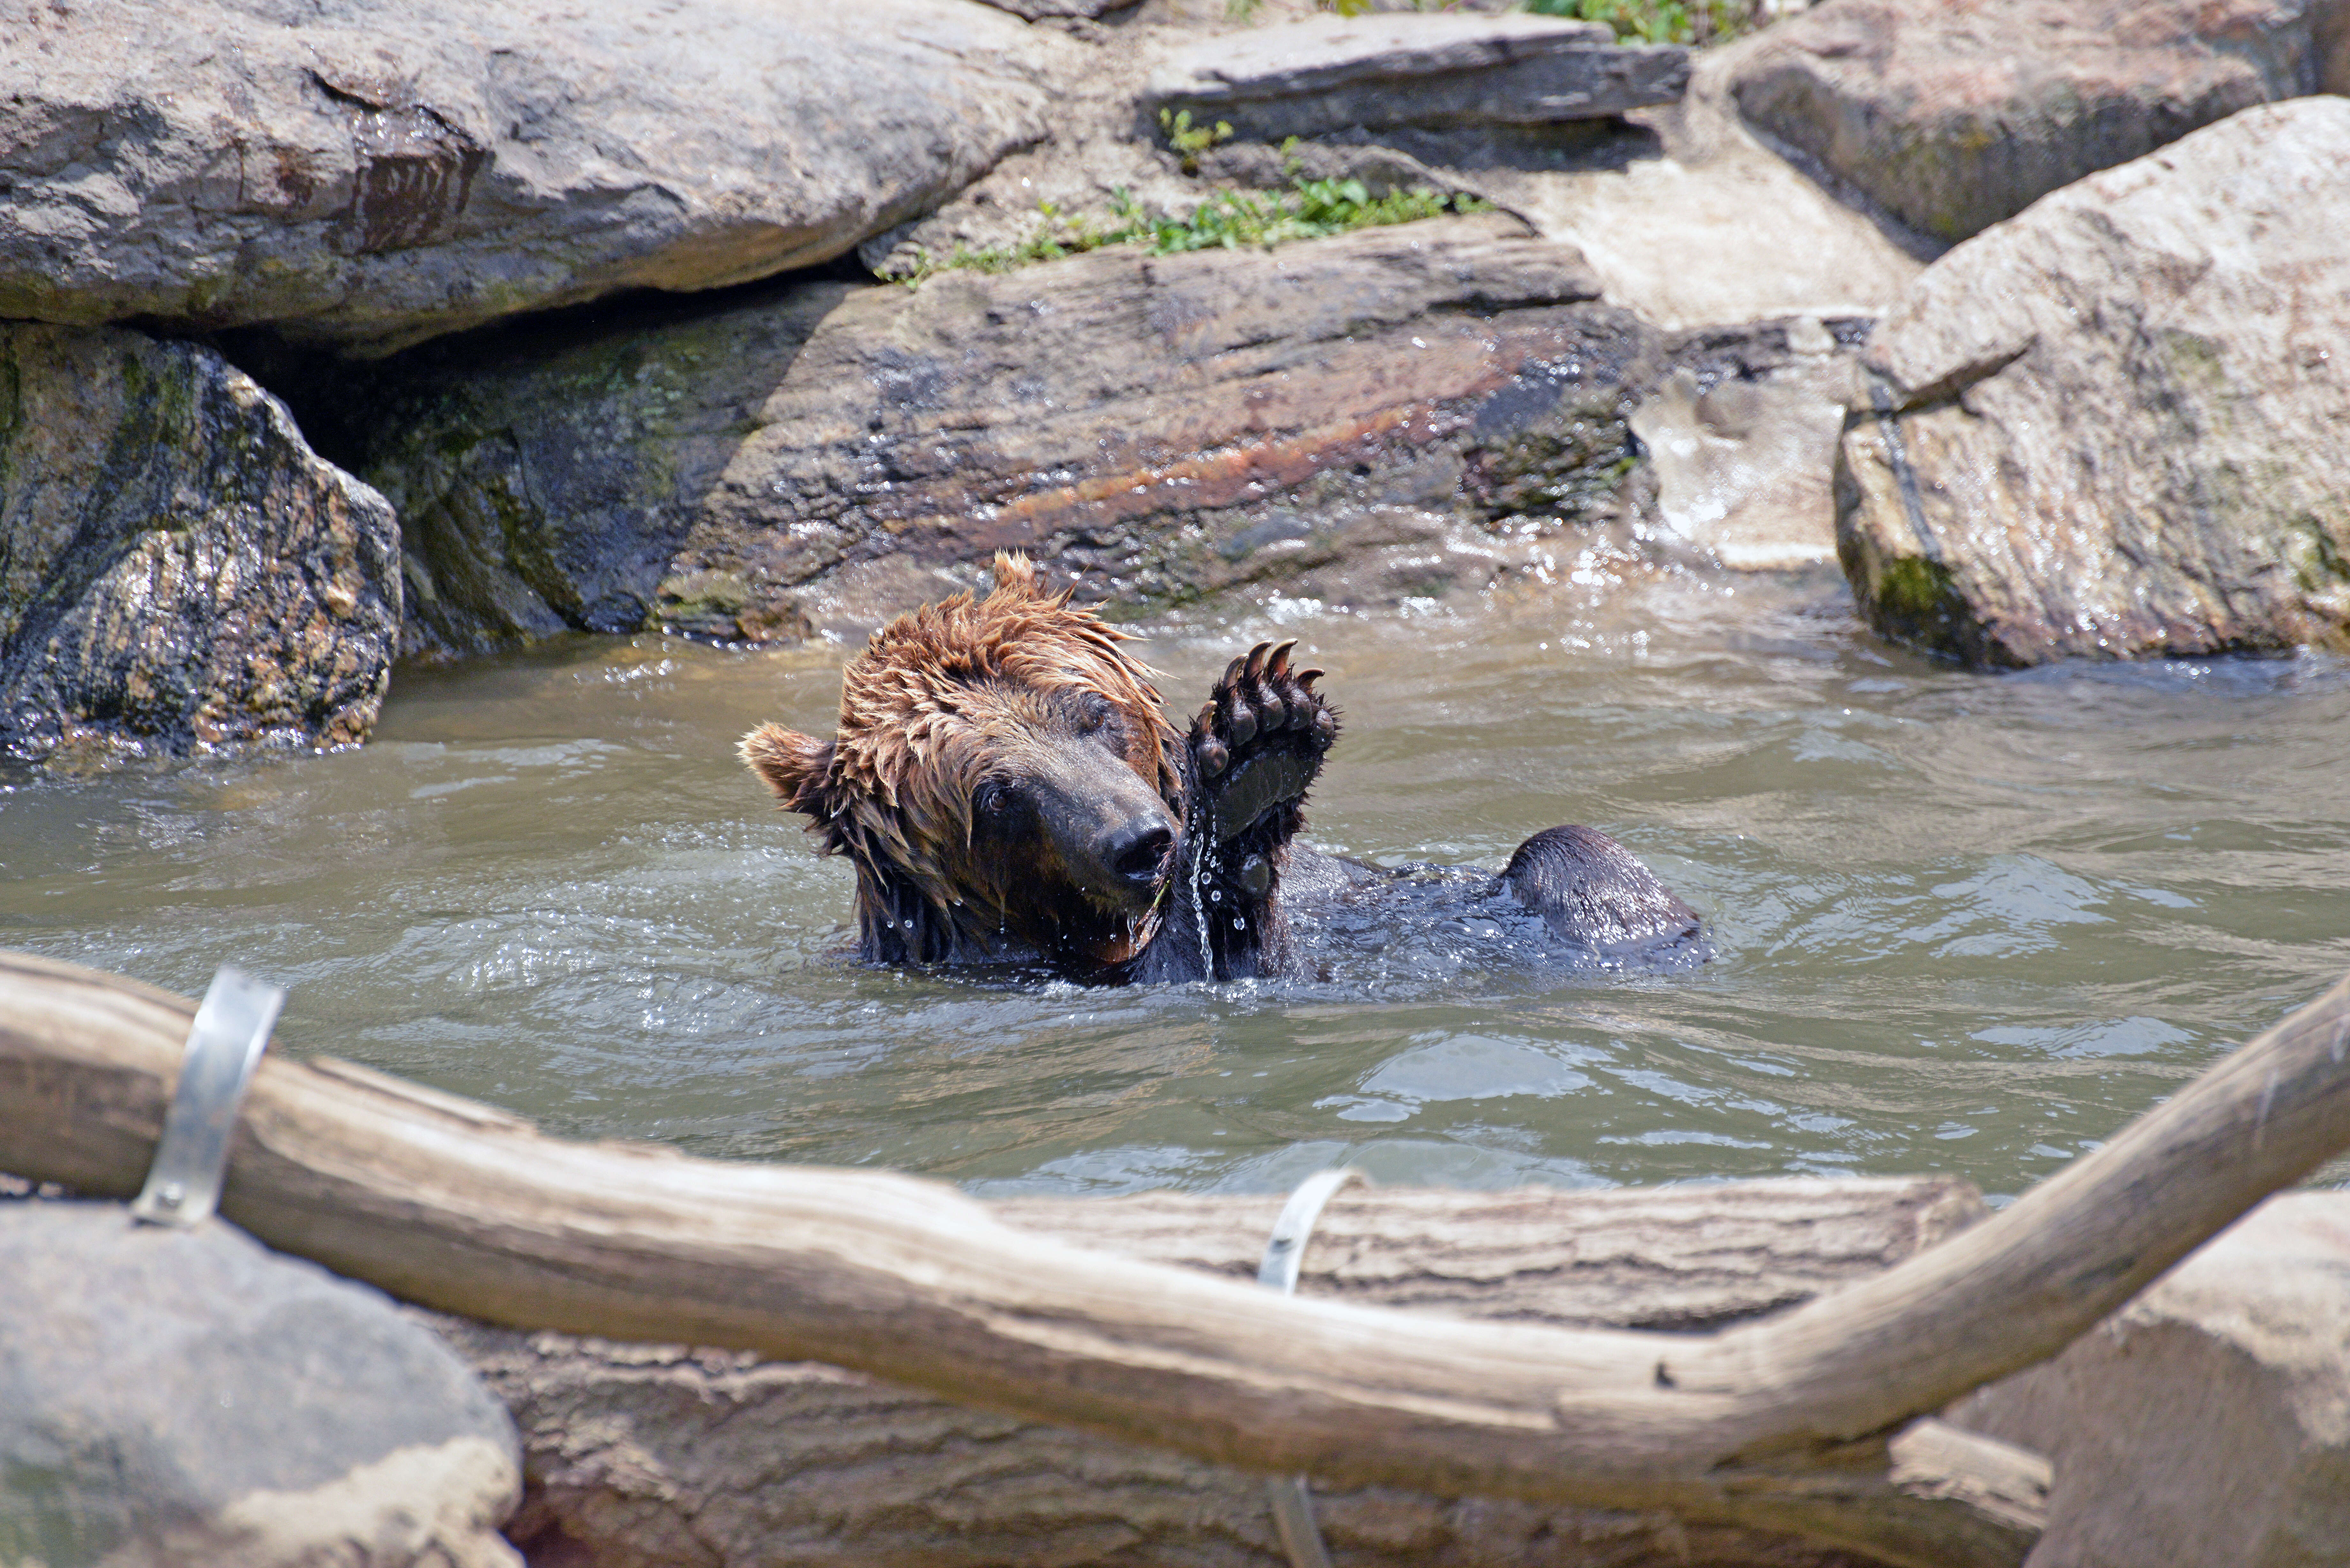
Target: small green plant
x: 1308, y: 209
x: 1698, y: 22
x: 1189, y: 140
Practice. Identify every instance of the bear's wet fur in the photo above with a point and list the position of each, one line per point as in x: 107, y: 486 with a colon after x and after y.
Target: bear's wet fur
x: 1009, y: 792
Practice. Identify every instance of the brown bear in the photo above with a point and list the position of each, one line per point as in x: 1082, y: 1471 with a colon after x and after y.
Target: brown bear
x: 1010, y: 793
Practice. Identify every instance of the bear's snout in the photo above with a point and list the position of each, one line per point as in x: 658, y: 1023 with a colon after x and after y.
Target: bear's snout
x: 1136, y: 852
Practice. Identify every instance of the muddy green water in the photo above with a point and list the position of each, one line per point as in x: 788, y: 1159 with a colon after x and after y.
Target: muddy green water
x: 1967, y: 923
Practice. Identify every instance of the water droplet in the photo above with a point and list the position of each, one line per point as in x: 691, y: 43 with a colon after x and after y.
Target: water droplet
x: 1215, y: 895
x: 1239, y: 924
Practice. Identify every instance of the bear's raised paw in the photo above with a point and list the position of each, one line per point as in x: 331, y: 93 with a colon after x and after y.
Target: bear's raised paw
x: 1258, y: 745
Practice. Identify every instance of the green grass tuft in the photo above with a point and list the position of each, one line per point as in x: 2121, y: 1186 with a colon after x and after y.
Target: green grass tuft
x: 1697, y: 22
x: 1232, y: 220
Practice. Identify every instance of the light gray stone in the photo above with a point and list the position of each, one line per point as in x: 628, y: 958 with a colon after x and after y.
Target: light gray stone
x: 2207, y: 1422
x: 370, y: 172
x: 2115, y: 425
x: 179, y: 572
x: 1954, y: 114
x: 1330, y: 73
x: 187, y: 1398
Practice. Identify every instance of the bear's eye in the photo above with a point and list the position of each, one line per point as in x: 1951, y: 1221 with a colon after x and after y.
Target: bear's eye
x: 992, y: 801
x: 1096, y: 714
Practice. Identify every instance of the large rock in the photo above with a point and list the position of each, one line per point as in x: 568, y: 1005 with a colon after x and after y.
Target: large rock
x: 2207, y: 1422
x: 2115, y: 425
x: 1155, y: 427
x: 370, y: 172
x: 178, y: 1398
x: 1328, y: 73
x: 1394, y: 414
x: 1954, y: 114
x: 179, y: 573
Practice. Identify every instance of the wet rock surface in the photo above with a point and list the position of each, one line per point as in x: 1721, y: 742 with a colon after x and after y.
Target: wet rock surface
x: 2208, y: 1421
x: 545, y: 473
x: 1330, y: 73
x: 2113, y: 426
x: 375, y: 171
x: 1742, y: 469
x: 189, y: 1397
x: 179, y: 572
x: 1384, y: 416
x: 1954, y: 114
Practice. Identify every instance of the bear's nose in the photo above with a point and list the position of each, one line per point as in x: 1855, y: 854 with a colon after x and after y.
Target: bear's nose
x: 1135, y: 852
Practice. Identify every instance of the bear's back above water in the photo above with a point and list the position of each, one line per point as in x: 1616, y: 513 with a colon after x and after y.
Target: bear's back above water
x: 1010, y: 793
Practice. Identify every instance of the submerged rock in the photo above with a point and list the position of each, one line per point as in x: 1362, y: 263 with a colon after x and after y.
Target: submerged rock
x: 188, y: 1396
x: 1155, y: 427
x: 1954, y: 114
x: 179, y: 572
x: 1329, y: 73
x: 2115, y: 424
x: 2209, y: 1420
x: 375, y: 172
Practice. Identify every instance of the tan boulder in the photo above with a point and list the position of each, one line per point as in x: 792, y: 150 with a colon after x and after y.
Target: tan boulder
x: 2206, y: 1423
x: 2115, y: 425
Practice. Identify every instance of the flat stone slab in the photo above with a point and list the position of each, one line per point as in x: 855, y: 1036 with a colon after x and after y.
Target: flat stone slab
x: 1331, y: 73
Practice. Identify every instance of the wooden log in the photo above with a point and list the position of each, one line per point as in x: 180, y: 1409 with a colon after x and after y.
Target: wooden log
x: 1788, y: 1423
x: 651, y: 1456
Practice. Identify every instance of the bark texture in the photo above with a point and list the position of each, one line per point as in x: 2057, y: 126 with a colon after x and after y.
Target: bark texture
x: 649, y: 1456
x: 1793, y: 1423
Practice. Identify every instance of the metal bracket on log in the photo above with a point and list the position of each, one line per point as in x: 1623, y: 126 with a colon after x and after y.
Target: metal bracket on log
x: 1284, y: 1252
x: 224, y: 1044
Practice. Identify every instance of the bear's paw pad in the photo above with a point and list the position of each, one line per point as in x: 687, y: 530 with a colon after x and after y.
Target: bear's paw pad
x: 1259, y: 742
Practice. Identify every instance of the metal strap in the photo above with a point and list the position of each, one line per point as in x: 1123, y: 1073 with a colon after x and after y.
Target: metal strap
x: 1285, y: 1253
x: 231, y: 1031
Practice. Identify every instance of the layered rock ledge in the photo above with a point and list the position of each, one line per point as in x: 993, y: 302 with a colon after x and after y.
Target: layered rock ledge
x: 1381, y: 416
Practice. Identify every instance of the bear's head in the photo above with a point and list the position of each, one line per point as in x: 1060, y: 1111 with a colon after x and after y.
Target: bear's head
x: 1002, y: 778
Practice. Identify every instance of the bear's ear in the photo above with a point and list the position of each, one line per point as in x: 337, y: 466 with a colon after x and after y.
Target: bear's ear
x: 1016, y: 574
x: 793, y: 764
